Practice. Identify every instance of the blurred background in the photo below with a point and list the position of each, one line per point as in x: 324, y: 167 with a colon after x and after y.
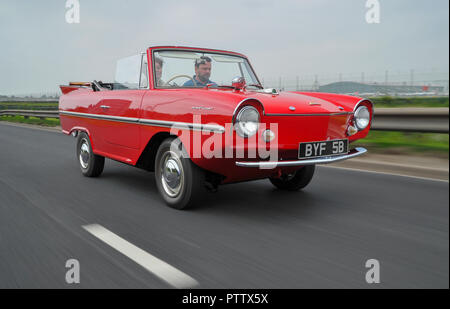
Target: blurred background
x: 398, y: 47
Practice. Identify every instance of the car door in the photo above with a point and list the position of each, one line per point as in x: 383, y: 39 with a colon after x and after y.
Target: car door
x: 121, y: 108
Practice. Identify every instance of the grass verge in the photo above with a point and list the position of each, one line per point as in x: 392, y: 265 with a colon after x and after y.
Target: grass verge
x: 403, y: 142
x: 47, y: 122
x: 387, y: 101
x: 29, y: 105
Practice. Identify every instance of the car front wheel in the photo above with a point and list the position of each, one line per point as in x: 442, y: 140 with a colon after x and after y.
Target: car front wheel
x: 180, y: 182
x: 295, y: 181
x: 91, y: 165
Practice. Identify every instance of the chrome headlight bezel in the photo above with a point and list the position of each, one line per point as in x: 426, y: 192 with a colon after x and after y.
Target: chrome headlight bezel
x: 247, y: 121
x: 361, y: 117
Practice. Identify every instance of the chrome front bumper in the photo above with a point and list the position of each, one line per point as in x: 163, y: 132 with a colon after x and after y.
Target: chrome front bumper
x: 322, y: 160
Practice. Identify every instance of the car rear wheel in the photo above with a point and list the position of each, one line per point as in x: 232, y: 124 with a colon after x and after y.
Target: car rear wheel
x: 91, y: 165
x: 180, y: 182
x: 296, y: 181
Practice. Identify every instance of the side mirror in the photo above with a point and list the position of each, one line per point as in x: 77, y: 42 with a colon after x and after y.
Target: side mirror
x: 238, y: 82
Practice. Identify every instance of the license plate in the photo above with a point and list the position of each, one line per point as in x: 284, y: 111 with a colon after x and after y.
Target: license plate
x: 322, y: 149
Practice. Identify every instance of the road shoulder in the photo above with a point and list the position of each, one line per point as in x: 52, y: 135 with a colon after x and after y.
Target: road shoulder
x: 399, y: 164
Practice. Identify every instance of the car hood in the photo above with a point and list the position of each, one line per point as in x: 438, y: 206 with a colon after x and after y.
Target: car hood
x: 291, y: 103
x: 225, y: 102
x: 298, y: 103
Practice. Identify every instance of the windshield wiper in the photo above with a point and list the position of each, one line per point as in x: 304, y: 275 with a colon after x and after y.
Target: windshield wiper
x: 255, y: 85
x: 231, y: 87
x: 225, y: 86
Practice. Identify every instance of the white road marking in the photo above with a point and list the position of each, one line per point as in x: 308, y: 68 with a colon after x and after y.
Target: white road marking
x: 159, y: 268
x: 385, y: 173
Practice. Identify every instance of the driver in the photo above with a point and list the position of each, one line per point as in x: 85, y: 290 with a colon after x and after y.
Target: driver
x: 202, y: 73
x: 158, y: 72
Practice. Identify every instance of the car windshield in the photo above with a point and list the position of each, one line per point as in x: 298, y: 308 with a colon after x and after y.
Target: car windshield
x: 177, y: 69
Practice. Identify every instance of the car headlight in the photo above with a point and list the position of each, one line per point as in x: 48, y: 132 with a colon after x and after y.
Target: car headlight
x: 247, y: 121
x: 362, y: 117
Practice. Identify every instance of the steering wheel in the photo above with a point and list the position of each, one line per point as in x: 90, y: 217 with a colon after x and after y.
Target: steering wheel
x: 178, y: 76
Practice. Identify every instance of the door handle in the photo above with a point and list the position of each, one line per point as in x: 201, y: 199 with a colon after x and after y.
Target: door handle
x: 104, y: 106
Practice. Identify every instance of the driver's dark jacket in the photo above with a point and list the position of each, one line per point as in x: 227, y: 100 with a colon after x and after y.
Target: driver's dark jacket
x: 189, y: 83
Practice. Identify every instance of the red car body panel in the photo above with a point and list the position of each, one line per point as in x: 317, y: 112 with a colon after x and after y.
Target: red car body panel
x: 317, y: 117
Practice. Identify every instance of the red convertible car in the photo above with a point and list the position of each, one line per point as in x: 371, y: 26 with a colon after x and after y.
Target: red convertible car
x: 199, y: 118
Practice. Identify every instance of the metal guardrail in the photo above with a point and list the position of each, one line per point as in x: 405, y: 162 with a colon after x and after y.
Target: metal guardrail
x: 31, y: 113
x: 426, y: 120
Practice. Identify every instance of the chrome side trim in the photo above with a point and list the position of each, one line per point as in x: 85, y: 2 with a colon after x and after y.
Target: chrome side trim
x: 323, y: 160
x: 103, y: 117
x: 183, y: 125
x: 152, y: 122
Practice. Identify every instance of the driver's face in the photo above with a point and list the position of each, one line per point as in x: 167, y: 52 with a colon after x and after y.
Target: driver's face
x: 158, y: 70
x: 203, y: 71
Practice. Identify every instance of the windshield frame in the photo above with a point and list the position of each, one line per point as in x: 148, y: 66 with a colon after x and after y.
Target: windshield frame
x: 199, y: 50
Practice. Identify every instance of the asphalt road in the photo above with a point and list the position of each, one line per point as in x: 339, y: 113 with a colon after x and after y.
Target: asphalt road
x: 247, y: 235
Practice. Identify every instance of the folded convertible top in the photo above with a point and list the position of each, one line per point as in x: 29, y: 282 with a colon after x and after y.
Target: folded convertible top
x: 65, y: 89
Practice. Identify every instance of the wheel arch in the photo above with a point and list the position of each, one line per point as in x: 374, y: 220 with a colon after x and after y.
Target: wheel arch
x: 147, y: 158
x: 84, y: 130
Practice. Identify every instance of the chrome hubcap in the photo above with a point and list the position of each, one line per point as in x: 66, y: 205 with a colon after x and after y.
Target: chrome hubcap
x: 172, y: 177
x: 84, y: 154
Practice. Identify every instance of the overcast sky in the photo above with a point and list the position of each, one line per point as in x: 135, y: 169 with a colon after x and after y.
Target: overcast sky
x: 40, y: 50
